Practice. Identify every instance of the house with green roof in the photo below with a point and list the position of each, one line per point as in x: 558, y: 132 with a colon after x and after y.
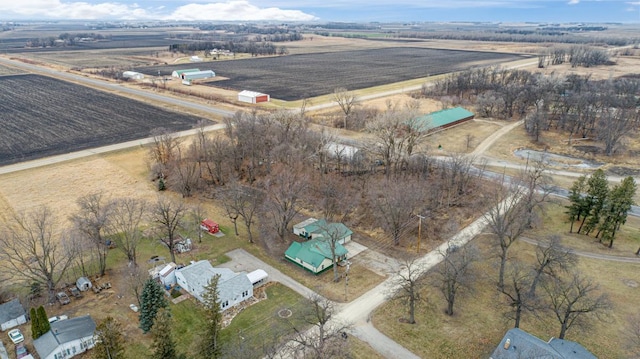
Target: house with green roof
x: 312, y: 228
x: 314, y: 255
x: 439, y: 120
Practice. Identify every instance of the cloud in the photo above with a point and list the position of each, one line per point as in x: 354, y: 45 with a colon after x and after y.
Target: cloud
x: 237, y: 10
x: 573, y: 2
x: 231, y: 10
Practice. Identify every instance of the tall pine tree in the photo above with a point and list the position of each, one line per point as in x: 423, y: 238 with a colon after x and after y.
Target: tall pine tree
x: 209, y: 346
x: 163, y: 346
x: 35, y: 323
x: 616, y: 209
x: 577, y: 208
x: 43, y: 321
x: 597, y: 192
x: 151, y: 300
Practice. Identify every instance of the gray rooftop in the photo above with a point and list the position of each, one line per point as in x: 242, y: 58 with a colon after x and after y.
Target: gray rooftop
x: 11, y: 310
x: 64, y: 331
x: 230, y: 283
x: 524, y: 345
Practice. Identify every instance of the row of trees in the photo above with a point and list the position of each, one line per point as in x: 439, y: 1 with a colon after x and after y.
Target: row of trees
x: 606, y: 111
x: 598, y: 208
x: 255, y: 48
x: 575, y: 55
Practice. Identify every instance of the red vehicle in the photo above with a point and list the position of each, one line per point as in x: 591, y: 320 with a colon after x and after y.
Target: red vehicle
x: 210, y: 226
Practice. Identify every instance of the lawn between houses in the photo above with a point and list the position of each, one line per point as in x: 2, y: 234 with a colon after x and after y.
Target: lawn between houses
x: 479, y: 323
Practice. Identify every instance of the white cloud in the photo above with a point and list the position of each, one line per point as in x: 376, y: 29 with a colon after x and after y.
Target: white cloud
x: 230, y: 10
x: 573, y: 2
x: 237, y: 10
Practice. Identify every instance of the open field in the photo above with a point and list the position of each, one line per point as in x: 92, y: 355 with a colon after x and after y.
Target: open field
x: 303, y: 76
x: 478, y: 324
x: 42, y: 116
x: 5, y: 70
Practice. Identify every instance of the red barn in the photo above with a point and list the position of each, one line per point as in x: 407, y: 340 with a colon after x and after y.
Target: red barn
x: 210, y: 226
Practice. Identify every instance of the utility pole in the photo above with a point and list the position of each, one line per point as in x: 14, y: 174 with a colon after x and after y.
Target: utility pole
x: 420, y: 218
x: 346, y: 280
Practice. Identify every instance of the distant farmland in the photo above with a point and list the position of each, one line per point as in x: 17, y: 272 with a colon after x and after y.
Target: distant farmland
x: 299, y: 76
x: 41, y: 116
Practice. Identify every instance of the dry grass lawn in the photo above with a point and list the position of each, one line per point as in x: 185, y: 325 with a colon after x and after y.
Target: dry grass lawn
x: 454, y: 139
x: 479, y: 323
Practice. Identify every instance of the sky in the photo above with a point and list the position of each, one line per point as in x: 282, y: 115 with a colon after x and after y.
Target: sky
x: 326, y: 10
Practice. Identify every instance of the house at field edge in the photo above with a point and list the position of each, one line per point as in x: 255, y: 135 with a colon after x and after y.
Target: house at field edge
x: 12, y: 314
x: 233, y: 288
x: 518, y: 344
x: 312, y: 228
x: 440, y: 120
x: 67, y: 338
x: 314, y: 255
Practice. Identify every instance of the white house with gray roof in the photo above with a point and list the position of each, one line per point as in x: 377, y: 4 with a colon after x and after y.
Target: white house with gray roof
x: 233, y: 288
x: 67, y: 338
x: 12, y: 314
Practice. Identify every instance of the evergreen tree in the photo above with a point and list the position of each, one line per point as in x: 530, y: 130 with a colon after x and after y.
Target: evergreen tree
x: 616, y: 209
x: 43, y: 320
x: 109, y: 340
x: 597, y: 192
x: 151, y: 300
x: 163, y: 346
x: 210, y: 339
x: 35, y: 323
x: 577, y: 207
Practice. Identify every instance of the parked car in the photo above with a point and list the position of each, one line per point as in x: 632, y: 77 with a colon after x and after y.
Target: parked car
x: 63, y: 298
x: 57, y: 318
x: 21, y: 351
x: 16, y: 336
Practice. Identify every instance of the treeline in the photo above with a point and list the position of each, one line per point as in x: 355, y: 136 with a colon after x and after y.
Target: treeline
x: 248, y: 29
x: 249, y: 47
x: 553, y: 31
x: 274, y: 37
x: 575, y: 55
x: 65, y: 39
x: 606, y: 111
x: 516, y: 37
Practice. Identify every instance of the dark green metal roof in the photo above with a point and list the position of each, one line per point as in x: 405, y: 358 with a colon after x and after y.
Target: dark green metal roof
x: 443, y: 117
x: 313, y: 251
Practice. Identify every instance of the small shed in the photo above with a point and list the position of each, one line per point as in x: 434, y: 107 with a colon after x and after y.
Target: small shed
x: 132, y: 75
x: 258, y: 277
x: 253, y: 97
x: 198, y: 75
x: 178, y: 73
x: 195, y: 59
x: 83, y: 284
x: 165, y: 273
x: 12, y: 314
x: 210, y: 226
x: 298, y: 229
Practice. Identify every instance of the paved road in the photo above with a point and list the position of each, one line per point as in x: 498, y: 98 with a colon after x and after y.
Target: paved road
x: 592, y: 255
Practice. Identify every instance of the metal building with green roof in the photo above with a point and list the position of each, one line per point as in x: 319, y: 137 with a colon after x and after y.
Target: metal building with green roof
x: 314, y: 255
x: 440, y: 120
x: 178, y: 73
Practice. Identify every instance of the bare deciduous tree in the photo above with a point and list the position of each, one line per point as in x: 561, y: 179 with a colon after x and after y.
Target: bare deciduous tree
x: 35, y: 250
x: 551, y: 260
x: 409, y: 281
x: 575, y: 301
x: 126, y: 218
x: 93, y: 220
x: 283, y: 191
x: 346, y: 100
x: 516, y: 291
x: 454, y: 273
x: 244, y: 202
x: 168, y: 216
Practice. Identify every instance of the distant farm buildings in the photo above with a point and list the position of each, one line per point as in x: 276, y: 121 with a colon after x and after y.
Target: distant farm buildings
x: 132, y: 75
x: 440, y: 120
x: 178, y: 73
x: 195, y: 59
x: 253, y: 97
x: 198, y: 75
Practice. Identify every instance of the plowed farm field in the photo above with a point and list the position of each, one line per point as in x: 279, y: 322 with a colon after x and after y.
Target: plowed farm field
x: 42, y: 116
x: 295, y: 77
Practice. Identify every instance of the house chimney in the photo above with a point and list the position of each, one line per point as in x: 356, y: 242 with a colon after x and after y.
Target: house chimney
x: 507, y: 344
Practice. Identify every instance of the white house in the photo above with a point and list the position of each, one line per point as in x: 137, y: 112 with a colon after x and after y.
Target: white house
x: 67, y: 338
x: 12, y: 314
x: 233, y: 288
x: 165, y: 273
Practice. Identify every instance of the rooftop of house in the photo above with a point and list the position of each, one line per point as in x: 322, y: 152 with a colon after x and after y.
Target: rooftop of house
x: 64, y: 331
x: 518, y: 344
x: 313, y: 251
x: 11, y: 310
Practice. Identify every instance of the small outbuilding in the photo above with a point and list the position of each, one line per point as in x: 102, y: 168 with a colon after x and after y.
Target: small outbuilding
x: 253, y: 97
x: 132, y: 75
x: 12, y: 314
x: 165, y: 273
x: 210, y: 226
x: 178, y: 73
x: 258, y: 278
x: 321, y: 229
x: 83, y: 284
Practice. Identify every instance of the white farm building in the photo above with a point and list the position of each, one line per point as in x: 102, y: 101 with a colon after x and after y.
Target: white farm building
x: 179, y: 73
x: 132, y: 75
x: 198, y: 75
x: 252, y: 97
